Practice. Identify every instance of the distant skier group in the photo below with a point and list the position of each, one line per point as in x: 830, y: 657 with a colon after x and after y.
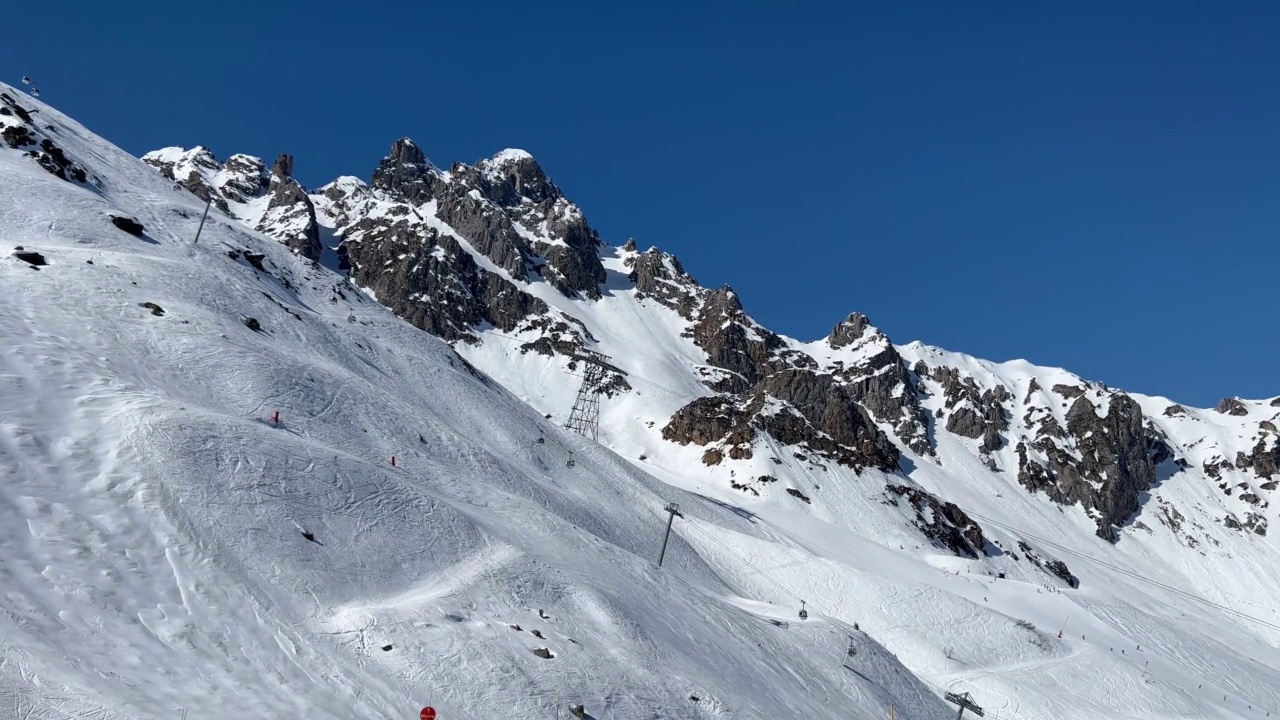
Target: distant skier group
x: 35, y: 91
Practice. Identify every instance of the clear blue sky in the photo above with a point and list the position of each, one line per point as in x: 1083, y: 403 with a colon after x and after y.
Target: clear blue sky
x: 1091, y: 185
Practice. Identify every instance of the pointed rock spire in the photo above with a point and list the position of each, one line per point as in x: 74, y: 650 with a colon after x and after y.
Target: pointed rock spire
x: 849, y: 330
x: 283, y: 167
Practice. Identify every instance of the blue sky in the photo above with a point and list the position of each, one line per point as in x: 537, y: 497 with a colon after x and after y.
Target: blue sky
x: 1091, y: 185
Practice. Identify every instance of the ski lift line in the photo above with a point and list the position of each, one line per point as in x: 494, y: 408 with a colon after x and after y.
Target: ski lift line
x: 752, y: 565
x: 1137, y: 576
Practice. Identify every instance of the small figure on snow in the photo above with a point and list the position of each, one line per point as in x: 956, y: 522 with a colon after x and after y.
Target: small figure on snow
x: 311, y: 536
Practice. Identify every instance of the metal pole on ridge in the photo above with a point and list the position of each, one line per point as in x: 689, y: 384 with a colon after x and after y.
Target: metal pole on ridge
x: 674, y: 510
x: 203, y: 218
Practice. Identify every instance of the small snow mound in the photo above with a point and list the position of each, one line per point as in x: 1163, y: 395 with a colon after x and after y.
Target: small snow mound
x: 511, y: 155
x: 169, y: 154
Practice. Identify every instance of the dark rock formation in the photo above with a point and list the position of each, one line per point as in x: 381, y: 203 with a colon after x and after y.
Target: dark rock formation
x: 818, y: 416
x: 436, y: 285
x: 733, y: 341
x: 290, y: 216
x: 283, y: 166
x: 1069, y: 392
x: 881, y: 382
x: 660, y: 277
x: 129, y: 225
x: 1232, y: 406
x: 43, y: 150
x: 484, y: 204
x: 30, y: 257
x: 1054, y: 566
x: 797, y: 494
x: 1116, y: 463
x: 1263, y: 461
x: 849, y: 330
x: 943, y: 522
x: 974, y: 413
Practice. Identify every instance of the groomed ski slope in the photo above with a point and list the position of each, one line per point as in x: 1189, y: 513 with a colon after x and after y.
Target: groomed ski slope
x: 153, y: 518
x: 152, y: 513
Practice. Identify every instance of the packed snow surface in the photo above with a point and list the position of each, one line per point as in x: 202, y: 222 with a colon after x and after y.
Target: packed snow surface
x: 169, y: 545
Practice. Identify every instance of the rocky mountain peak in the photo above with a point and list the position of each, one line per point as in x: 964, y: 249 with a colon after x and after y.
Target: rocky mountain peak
x: 405, y: 151
x: 849, y: 330
x: 283, y: 166
x: 406, y: 174
x: 227, y: 184
x: 514, y: 174
x: 290, y: 216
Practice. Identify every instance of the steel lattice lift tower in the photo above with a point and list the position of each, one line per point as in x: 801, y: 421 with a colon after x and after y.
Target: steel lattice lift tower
x: 584, y: 419
x: 965, y: 701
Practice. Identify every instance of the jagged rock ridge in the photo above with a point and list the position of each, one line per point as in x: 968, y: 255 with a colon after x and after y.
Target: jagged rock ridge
x: 460, y: 250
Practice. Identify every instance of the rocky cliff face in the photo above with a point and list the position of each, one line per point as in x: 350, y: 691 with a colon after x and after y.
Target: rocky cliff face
x: 1103, y: 463
x: 496, y: 246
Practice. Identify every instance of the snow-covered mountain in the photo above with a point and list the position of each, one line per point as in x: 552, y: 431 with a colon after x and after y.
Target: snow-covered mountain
x: 170, y: 544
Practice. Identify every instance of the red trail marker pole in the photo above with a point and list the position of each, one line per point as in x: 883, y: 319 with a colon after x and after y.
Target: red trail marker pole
x: 393, y: 461
x: 276, y: 418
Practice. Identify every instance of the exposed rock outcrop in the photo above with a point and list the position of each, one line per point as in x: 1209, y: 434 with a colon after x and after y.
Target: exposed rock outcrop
x: 290, y: 215
x: 660, y: 277
x: 943, y: 522
x: 879, y: 380
x: 1112, y: 460
x: 27, y: 137
x: 1262, y: 460
x: 973, y: 412
x: 1232, y: 406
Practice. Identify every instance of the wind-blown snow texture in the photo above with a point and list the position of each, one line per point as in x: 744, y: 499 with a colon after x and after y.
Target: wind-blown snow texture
x: 156, y: 520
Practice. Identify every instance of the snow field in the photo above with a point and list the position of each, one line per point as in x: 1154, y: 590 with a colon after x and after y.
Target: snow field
x: 153, y: 514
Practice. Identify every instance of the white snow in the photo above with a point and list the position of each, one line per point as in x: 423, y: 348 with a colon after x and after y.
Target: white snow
x: 152, y: 513
x: 511, y: 155
x: 152, y: 516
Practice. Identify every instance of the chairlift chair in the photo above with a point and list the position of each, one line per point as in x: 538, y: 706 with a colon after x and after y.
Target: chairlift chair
x: 804, y: 614
x: 26, y: 80
x: 35, y: 92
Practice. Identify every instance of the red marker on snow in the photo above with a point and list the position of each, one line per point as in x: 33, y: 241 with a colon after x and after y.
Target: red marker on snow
x: 276, y: 418
x: 393, y: 461
x: 428, y: 713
